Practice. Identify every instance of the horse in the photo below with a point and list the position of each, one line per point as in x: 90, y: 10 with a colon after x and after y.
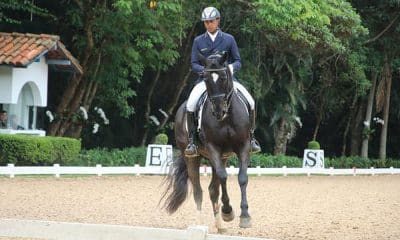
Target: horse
x: 225, y: 130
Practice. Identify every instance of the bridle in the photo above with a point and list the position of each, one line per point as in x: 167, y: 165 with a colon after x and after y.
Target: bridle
x: 226, y: 96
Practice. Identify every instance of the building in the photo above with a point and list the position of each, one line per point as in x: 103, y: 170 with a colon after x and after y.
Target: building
x: 24, y: 64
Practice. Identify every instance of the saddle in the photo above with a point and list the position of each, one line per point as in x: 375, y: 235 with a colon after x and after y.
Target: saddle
x: 202, y: 101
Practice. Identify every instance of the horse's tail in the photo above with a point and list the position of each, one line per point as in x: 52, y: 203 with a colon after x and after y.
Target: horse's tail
x: 177, y: 185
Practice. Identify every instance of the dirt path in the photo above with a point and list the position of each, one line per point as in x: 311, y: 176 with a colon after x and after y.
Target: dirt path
x: 295, y: 207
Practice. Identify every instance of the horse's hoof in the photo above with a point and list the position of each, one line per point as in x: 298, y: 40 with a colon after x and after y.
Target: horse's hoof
x: 245, y: 222
x: 227, y: 217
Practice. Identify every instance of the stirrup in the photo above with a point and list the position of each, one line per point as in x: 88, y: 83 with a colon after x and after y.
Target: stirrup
x: 254, y: 146
x: 191, y: 150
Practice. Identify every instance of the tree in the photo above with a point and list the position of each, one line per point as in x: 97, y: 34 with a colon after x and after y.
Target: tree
x: 12, y: 11
x: 382, y: 19
x: 298, y: 35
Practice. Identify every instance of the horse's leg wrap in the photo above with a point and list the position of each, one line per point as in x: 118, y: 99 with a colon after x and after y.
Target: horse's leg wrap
x: 191, y: 149
x: 254, y: 145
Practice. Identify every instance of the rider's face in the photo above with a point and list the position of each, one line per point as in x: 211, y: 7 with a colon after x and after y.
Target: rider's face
x: 211, y: 25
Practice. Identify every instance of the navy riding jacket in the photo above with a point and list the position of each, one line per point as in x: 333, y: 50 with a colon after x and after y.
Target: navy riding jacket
x: 224, y: 42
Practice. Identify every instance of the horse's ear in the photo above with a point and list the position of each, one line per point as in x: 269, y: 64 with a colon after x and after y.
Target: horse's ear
x: 203, y: 60
x: 224, y: 58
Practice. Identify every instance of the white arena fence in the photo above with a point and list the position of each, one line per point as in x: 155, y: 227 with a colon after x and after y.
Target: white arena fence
x: 11, y: 170
x: 84, y: 231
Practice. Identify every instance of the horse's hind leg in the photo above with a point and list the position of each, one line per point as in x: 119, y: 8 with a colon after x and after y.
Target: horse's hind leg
x: 193, y: 165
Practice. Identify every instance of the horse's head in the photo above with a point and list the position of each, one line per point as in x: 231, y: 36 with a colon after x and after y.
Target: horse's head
x: 218, y: 80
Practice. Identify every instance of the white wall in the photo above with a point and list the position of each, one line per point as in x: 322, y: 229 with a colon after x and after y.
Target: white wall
x: 5, y: 84
x: 36, y: 73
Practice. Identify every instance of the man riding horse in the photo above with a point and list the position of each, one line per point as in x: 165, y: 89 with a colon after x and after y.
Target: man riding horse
x: 212, y: 42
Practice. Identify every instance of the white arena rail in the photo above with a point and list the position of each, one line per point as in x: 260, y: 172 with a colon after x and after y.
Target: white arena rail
x: 57, y: 170
x: 83, y: 231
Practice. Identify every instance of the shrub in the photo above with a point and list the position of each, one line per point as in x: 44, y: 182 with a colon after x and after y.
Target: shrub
x: 269, y: 161
x: 34, y: 150
x: 112, y: 157
x: 313, y: 145
x: 161, y: 138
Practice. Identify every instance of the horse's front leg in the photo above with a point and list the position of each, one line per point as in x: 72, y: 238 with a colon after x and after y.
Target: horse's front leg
x: 244, y: 158
x: 219, y: 179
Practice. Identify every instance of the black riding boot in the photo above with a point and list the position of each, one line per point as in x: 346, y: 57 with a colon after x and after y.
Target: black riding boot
x: 254, y: 145
x: 191, y: 149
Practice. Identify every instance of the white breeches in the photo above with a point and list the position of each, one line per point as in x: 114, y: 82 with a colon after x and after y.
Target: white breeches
x: 198, y: 90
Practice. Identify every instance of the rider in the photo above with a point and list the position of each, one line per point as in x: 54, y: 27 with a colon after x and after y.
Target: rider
x: 211, y: 42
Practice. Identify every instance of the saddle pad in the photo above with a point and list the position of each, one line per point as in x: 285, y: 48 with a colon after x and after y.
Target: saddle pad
x: 202, y: 101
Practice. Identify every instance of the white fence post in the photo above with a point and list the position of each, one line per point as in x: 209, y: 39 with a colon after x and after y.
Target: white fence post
x: 258, y: 171
x: 197, y: 232
x: 10, y: 169
x: 391, y: 170
x: 56, y: 167
x: 331, y: 171
x: 205, y: 170
x: 137, y: 166
x: 99, y: 170
x: 354, y: 171
x: 372, y: 171
x: 284, y: 171
x: 232, y: 169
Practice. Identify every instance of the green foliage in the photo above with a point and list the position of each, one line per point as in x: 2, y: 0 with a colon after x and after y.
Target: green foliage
x: 112, y: 157
x: 27, y: 150
x: 359, y: 162
x: 7, y: 7
x: 313, y: 145
x: 271, y: 161
x: 161, y: 138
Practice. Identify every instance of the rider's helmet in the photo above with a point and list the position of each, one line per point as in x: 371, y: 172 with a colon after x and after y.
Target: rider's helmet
x: 210, y: 13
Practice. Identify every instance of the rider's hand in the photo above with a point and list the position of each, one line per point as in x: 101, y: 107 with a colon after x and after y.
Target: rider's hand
x: 201, y: 74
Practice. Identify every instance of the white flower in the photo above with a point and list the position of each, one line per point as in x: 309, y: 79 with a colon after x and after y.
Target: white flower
x: 84, y: 112
x: 163, y: 113
x: 95, y: 128
x: 155, y: 120
x: 366, y: 123
x: 50, y: 115
x: 378, y: 120
x: 102, y: 115
x: 298, y: 120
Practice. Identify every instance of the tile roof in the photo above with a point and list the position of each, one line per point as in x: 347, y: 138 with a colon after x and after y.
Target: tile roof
x: 21, y: 49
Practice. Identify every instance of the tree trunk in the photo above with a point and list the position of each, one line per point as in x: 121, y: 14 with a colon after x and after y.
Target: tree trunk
x: 368, y: 115
x: 318, y: 119
x: 280, y: 138
x: 346, y: 131
x: 387, y: 73
x: 148, y: 107
x: 356, y: 130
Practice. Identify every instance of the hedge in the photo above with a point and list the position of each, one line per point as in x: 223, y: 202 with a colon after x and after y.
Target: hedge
x: 112, y: 157
x: 27, y: 150
x: 271, y: 161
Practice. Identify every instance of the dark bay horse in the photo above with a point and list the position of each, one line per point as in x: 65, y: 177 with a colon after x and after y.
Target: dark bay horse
x: 225, y: 130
